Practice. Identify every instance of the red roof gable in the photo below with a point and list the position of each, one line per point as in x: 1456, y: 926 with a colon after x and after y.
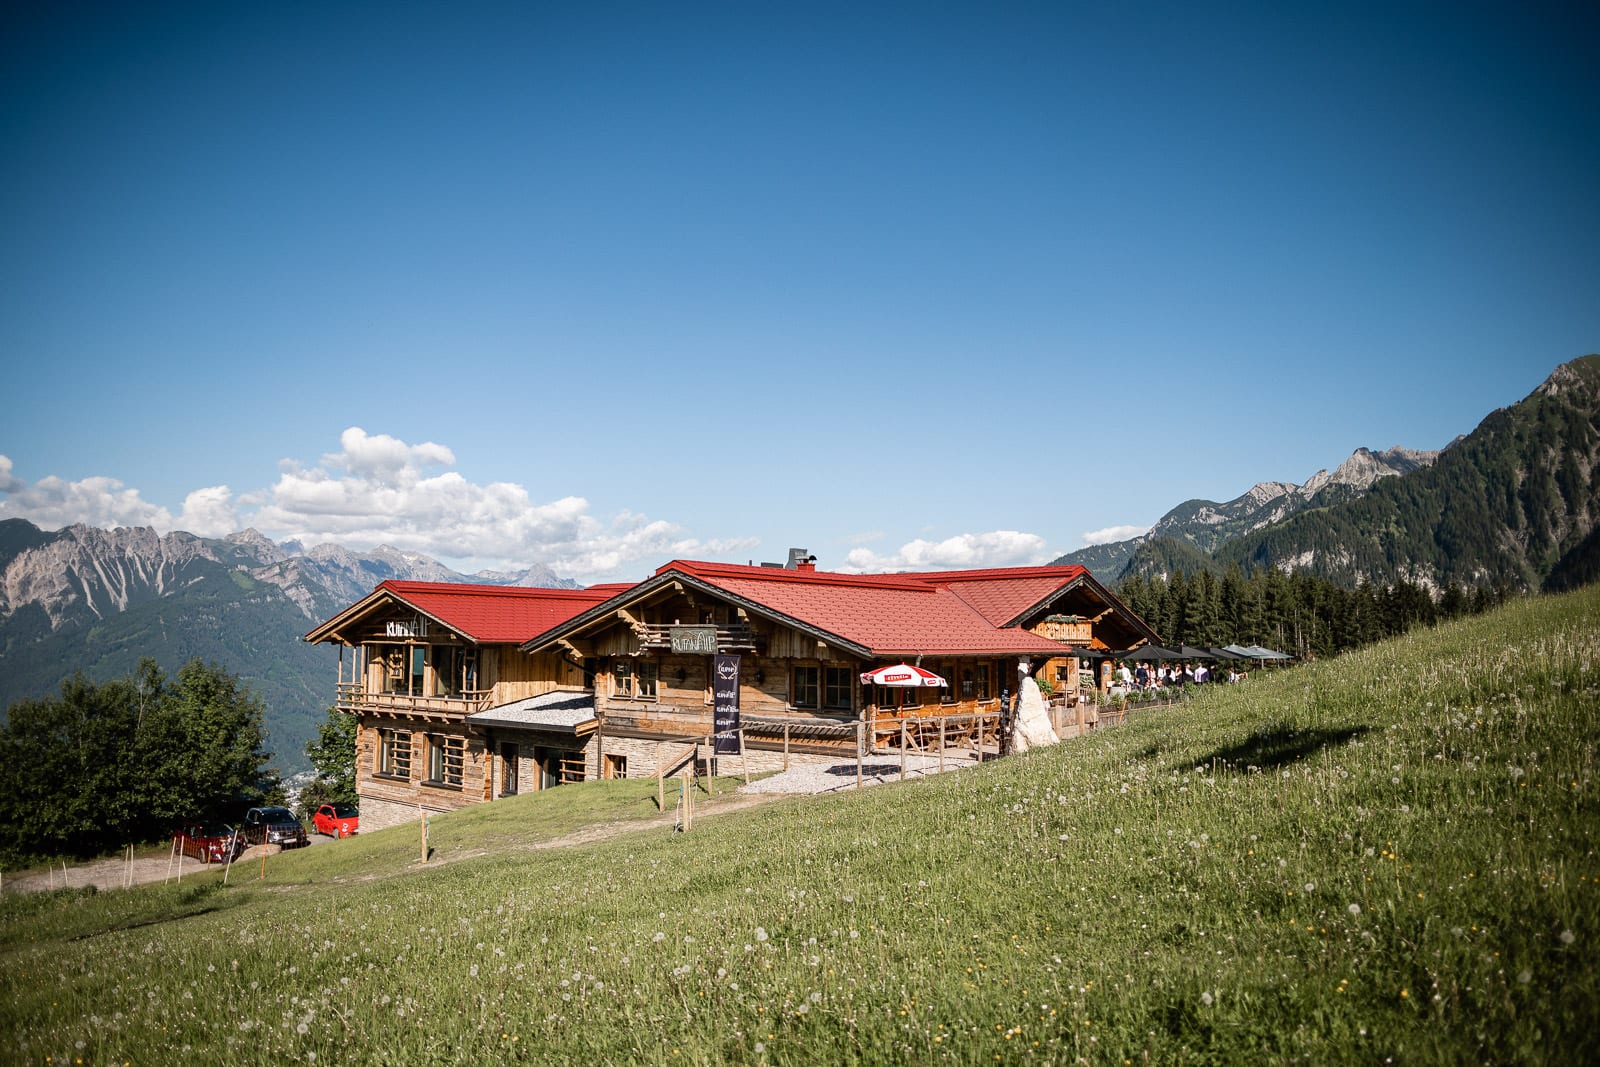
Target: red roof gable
x: 890, y: 614
x: 494, y: 614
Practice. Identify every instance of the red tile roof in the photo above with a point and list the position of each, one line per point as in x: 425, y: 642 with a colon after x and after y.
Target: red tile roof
x: 494, y: 614
x: 890, y: 614
x: 1002, y: 598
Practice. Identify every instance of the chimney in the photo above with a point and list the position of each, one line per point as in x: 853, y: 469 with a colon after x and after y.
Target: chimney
x: 801, y: 560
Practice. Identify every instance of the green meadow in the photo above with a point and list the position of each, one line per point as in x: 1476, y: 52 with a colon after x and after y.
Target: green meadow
x: 1385, y: 857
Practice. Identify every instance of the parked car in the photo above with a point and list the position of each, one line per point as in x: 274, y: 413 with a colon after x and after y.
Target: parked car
x: 209, y: 842
x: 337, y: 820
x: 274, y: 826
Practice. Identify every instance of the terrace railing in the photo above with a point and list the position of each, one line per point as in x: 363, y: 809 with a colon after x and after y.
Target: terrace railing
x: 352, y: 696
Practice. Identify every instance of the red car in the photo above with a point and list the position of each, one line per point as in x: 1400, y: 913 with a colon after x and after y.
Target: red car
x: 336, y: 820
x: 209, y: 842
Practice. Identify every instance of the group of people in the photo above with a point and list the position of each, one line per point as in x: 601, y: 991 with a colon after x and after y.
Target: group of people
x: 1169, y: 675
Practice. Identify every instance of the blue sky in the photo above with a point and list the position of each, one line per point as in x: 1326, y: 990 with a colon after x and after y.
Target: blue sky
x: 926, y: 285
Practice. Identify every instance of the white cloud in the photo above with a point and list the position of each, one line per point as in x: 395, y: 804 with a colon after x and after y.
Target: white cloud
x: 385, y: 460
x: 9, y: 483
x: 381, y: 490
x: 209, y: 512
x: 376, y: 491
x: 1113, y: 533
x: 51, y: 503
x: 998, y: 548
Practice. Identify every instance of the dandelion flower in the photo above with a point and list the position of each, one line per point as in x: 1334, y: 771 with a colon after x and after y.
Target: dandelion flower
x: 1354, y: 909
x: 1567, y: 937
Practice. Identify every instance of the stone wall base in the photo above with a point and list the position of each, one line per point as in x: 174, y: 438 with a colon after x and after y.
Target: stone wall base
x: 380, y: 814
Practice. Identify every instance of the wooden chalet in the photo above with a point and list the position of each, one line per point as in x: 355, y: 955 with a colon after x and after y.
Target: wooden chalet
x: 805, y: 637
x: 466, y: 693
x: 424, y: 659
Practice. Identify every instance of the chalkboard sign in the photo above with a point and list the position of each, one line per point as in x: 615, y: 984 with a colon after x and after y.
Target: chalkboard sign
x: 725, y: 703
x: 695, y: 640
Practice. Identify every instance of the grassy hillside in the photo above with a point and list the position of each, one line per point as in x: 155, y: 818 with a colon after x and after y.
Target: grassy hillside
x: 1387, y: 855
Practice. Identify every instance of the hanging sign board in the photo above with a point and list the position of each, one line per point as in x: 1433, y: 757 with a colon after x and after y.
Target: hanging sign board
x: 725, y: 702
x: 695, y: 640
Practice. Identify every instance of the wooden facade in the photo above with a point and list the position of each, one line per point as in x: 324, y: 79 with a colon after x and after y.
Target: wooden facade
x: 614, y: 682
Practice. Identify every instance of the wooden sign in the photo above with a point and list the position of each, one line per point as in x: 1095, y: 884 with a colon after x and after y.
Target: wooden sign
x: 695, y: 640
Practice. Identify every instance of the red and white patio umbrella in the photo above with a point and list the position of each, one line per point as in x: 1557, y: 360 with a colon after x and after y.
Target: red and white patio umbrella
x: 903, y: 675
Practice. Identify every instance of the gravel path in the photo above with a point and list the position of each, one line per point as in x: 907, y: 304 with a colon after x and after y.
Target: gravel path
x: 875, y: 770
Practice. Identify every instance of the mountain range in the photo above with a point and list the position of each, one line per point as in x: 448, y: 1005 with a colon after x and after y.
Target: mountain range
x: 1515, y: 505
x: 98, y: 601
x: 1207, y: 525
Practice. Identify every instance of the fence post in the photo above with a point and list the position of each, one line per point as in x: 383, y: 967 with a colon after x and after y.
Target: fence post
x: 902, y: 750
x: 861, y: 733
x: 786, y: 746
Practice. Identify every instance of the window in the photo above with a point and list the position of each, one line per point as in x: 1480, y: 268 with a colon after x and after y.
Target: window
x: 444, y: 760
x: 836, y: 687
x: 951, y: 673
x: 558, y: 766
x: 402, y: 668
x: 508, y: 769
x: 418, y: 658
x: 635, y: 679
x: 449, y: 670
x: 804, y: 693
x: 975, y: 682
x: 897, y: 696
x: 394, y: 753
x: 616, y: 766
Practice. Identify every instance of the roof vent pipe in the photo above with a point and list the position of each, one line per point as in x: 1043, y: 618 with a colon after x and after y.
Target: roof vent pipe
x: 801, y: 560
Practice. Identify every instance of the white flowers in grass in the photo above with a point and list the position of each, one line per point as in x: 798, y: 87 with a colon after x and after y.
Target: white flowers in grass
x: 761, y: 933
x: 1354, y: 910
x: 1567, y: 937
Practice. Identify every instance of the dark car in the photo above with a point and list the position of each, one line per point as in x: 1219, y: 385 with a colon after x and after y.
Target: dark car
x: 209, y: 842
x: 274, y: 826
x: 337, y: 820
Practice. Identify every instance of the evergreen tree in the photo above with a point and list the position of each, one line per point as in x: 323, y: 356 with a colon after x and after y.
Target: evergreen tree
x: 333, y: 757
x: 103, y: 765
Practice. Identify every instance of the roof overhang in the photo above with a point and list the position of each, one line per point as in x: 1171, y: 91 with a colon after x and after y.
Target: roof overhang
x: 365, y: 608
x: 605, y: 614
x: 1107, y: 597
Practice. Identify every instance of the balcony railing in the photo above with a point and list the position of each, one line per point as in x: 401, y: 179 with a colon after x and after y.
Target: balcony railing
x: 739, y: 637
x: 352, y: 696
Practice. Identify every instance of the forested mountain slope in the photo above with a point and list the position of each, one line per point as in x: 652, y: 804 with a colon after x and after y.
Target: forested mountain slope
x: 1513, y: 504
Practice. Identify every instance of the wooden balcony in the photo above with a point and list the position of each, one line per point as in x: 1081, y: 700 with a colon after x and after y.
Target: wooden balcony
x: 738, y: 637
x: 353, y: 697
